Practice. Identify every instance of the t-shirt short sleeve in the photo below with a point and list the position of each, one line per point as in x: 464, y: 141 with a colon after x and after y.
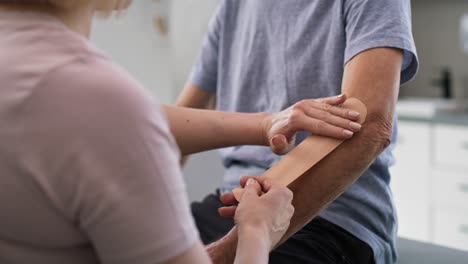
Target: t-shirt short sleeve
x: 381, y: 23
x: 116, y: 167
x: 205, y: 71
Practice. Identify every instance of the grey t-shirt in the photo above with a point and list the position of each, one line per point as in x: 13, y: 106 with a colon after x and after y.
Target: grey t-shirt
x: 267, y: 55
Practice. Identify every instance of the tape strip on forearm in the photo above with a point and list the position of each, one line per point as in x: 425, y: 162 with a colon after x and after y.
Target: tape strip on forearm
x: 307, y: 154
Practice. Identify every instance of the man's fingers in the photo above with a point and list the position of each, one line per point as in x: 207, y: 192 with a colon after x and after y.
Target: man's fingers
x: 228, y: 211
x: 228, y: 199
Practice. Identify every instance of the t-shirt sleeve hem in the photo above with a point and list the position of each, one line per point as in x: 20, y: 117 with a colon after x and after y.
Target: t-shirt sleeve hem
x: 175, y: 247
x: 410, y: 66
x: 203, y: 82
x: 159, y: 253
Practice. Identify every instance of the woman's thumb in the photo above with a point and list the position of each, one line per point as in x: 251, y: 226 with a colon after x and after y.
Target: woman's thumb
x: 252, y: 188
x: 279, y: 144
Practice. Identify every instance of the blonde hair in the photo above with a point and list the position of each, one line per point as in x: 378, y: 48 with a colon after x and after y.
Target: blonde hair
x: 101, y: 5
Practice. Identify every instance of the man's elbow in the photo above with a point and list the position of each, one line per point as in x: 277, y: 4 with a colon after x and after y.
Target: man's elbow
x: 377, y: 131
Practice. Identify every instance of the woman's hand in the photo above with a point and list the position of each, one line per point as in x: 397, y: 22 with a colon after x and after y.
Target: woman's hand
x: 265, y: 218
x: 318, y: 116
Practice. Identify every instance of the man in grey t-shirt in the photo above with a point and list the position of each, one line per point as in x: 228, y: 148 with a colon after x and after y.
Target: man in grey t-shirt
x: 267, y: 55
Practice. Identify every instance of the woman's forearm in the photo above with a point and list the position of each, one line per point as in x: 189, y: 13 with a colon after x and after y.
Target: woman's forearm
x: 198, y: 130
x: 252, y: 247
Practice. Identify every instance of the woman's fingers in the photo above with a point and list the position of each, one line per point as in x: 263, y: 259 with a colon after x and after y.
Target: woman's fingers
x: 324, y: 119
x: 244, y: 179
x: 252, y: 189
x: 344, y: 113
x: 333, y: 100
x: 332, y: 109
x: 279, y: 144
x: 319, y: 127
x: 318, y: 116
x: 331, y: 119
x: 282, y: 194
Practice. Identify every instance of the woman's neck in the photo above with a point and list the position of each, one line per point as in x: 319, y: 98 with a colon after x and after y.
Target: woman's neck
x: 77, y: 19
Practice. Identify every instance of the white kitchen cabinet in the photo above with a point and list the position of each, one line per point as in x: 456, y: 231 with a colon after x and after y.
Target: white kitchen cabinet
x: 451, y: 146
x: 451, y: 228
x: 412, y: 155
x: 450, y: 189
x: 430, y: 182
x: 412, y: 169
x: 450, y: 186
x: 133, y: 42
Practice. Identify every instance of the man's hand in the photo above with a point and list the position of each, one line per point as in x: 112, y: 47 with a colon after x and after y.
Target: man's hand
x: 318, y: 116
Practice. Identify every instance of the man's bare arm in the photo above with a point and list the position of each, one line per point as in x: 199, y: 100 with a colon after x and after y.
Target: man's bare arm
x: 374, y: 78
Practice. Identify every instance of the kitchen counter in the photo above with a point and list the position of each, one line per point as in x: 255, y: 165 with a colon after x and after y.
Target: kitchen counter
x: 414, y: 252
x: 432, y: 111
x: 439, y: 118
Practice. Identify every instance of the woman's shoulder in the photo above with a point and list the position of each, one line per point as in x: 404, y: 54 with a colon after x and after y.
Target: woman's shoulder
x: 99, y: 89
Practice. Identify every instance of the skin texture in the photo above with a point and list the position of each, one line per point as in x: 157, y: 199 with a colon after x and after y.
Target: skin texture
x: 198, y: 130
x: 373, y: 77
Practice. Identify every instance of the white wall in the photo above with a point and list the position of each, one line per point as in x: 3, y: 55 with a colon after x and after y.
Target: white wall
x: 188, y: 23
x: 162, y: 63
x: 133, y: 42
x: 436, y: 29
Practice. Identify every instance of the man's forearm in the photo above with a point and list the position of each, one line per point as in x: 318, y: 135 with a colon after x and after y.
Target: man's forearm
x: 373, y: 78
x: 323, y: 183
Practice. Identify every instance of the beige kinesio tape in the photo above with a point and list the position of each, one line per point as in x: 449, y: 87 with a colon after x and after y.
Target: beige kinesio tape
x: 307, y: 154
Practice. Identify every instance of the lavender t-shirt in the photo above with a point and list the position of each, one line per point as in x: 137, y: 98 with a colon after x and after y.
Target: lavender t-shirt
x: 88, y: 168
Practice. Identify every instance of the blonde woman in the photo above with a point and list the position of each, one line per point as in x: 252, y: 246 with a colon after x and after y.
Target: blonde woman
x: 88, y: 166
